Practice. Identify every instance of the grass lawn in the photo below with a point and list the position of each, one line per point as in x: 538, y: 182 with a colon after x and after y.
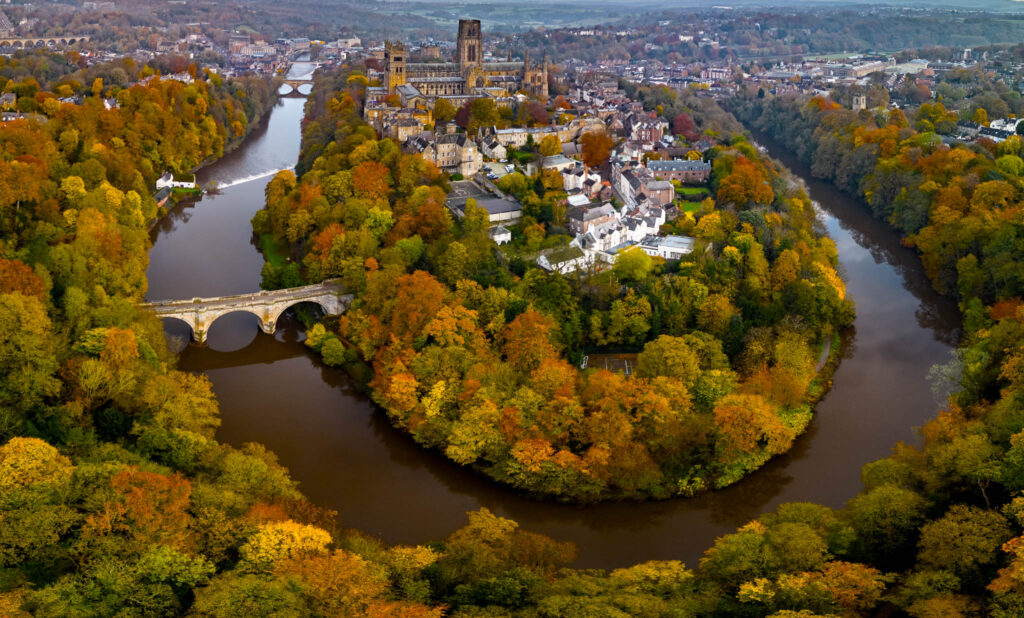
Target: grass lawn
x: 694, y: 191
x: 689, y: 206
x: 273, y: 251
x: 521, y: 157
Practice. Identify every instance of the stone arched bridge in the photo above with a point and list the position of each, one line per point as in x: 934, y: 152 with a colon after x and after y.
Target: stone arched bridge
x: 267, y: 306
x: 43, y: 41
x: 294, y: 85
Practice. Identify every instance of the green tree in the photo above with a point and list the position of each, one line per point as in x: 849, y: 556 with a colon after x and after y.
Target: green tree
x: 671, y: 357
x: 444, y: 111
x: 633, y: 265
x: 887, y: 519
x: 28, y: 360
x: 965, y: 541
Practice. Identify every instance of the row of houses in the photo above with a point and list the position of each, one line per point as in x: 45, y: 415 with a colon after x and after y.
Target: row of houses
x: 637, y: 182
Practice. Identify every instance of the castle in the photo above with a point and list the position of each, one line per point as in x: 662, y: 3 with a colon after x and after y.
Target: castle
x: 421, y: 84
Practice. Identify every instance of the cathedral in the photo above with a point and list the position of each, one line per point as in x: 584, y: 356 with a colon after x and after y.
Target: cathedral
x: 469, y: 77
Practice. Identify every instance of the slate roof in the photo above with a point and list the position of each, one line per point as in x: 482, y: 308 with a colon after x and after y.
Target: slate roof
x: 679, y: 165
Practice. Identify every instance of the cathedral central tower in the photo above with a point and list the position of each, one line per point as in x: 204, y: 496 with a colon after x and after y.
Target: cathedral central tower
x: 470, y: 44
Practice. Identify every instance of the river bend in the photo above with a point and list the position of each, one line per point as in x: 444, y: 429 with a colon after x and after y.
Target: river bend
x: 347, y: 457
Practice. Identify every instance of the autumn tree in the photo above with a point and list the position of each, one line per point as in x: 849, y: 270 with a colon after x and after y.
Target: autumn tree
x: 443, y: 111
x: 549, y: 146
x: 28, y: 359
x: 746, y: 423
x: 596, y: 146
x: 683, y: 125
x: 528, y: 340
x: 744, y: 185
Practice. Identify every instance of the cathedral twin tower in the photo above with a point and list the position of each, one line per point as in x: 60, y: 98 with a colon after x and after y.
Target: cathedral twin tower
x: 466, y: 78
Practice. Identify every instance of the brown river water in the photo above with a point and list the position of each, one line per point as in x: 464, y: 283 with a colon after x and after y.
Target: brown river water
x: 345, y: 455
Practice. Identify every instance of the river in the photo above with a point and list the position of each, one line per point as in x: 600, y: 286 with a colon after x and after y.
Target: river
x: 346, y: 456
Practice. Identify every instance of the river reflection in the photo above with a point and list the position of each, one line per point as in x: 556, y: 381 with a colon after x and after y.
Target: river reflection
x: 346, y: 456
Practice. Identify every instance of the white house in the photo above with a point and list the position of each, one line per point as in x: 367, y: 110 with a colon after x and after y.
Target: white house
x: 173, y: 181
x: 564, y: 260
x: 500, y: 234
x: 575, y: 178
x: 668, y: 247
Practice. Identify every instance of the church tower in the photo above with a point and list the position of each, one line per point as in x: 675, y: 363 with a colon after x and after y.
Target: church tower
x: 469, y: 45
x: 535, y: 78
x: 394, y: 65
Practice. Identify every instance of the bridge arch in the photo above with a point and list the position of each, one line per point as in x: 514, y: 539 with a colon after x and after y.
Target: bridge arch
x: 201, y: 330
x: 315, y: 301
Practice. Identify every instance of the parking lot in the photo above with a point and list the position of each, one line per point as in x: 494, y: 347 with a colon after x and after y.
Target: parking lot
x: 498, y: 169
x: 462, y: 190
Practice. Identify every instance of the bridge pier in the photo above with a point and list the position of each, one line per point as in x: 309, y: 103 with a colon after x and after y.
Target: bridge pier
x: 199, y: 330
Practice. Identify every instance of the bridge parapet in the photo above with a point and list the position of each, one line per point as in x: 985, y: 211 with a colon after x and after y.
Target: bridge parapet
x: 267, y: 306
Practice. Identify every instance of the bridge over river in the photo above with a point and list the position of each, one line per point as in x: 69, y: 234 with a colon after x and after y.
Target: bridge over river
x: 295, y: 82
x: 267, y: 306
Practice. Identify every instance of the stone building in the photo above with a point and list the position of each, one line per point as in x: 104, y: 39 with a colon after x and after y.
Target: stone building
x: 451, y: 152
x: 466, y: 78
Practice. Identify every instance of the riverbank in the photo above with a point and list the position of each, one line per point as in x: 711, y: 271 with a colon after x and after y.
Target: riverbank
x: 255, y: 125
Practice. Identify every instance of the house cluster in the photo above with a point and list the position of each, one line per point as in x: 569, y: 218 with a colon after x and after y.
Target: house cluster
x: 620, y: 206
x: 637, y: 182
x: 998, y: 130
x: 602, y: 232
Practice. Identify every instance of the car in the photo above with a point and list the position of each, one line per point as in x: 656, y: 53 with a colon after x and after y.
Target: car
x: 492, y: 175
x: 509, y: 168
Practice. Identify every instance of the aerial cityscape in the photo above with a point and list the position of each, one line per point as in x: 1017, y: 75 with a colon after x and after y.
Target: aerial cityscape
x: 430, y: 308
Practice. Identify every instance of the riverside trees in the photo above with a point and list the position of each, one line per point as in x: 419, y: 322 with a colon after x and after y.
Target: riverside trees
x: 956, y: 500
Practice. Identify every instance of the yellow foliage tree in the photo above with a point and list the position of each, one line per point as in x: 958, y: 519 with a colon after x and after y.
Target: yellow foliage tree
x: 31, y: 462
x: 279, y: 541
